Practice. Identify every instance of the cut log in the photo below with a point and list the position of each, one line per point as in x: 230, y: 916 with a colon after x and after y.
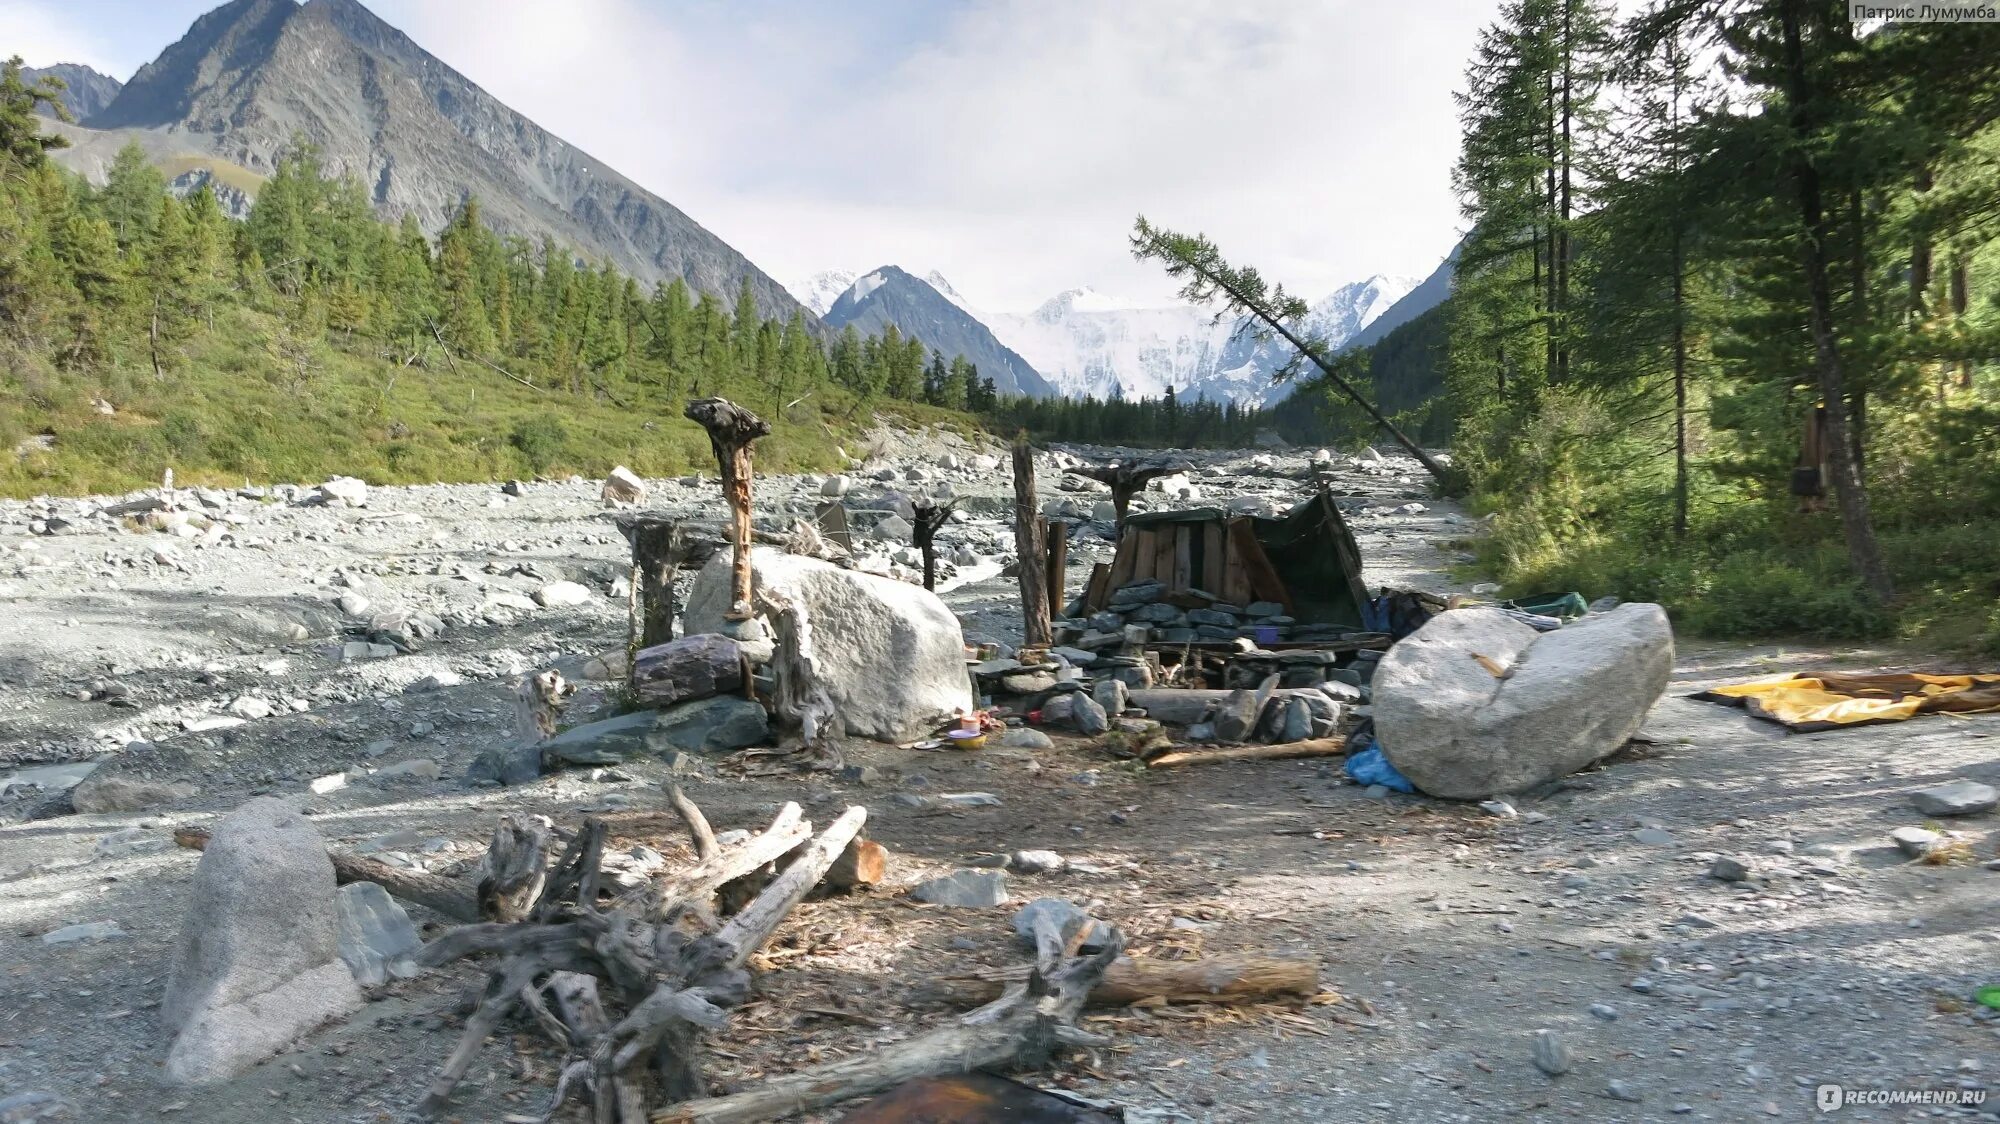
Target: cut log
x: 1243, y: 978
x: 659, y: 548
x: 1017, y: 1031
x: 693, y: 667
x: 746, y: 932
x: 1029, y: 547
x: 1316, y: 747
x: 864, y: 863
x: 438, y: 894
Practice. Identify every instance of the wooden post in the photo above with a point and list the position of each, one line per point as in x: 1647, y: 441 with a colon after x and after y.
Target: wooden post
x: 930, y: 517
x: 1030, y: 550
x: 659, y: 547
x: 1058, y: 565
x: 731, y: 429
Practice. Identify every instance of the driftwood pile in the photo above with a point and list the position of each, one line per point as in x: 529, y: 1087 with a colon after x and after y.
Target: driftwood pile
x: 627, y: 980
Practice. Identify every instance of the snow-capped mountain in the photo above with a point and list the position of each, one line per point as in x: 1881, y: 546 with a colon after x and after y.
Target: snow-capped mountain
x: 932, y: 311
x: 1089, y: 344
x: 1083, y: 342
x: 819, y: 291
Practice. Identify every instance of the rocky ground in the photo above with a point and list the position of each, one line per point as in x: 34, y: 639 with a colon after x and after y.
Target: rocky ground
x: 359, y: 657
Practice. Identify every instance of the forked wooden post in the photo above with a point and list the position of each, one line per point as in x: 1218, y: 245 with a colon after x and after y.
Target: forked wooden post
x: 1126, y: 481
x: 931, y: 516
x: 731, y: 429
x: 1031, y: 550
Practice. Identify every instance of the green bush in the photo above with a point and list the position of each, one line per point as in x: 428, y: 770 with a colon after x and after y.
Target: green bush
x: 542, y: 439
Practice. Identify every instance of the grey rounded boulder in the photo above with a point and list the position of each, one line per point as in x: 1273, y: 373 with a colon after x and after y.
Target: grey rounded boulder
x: 1476, y: 704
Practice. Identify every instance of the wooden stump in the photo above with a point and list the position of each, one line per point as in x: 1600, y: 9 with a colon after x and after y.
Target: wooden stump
x: 659, y: 548
x: 1030, y: 549
x: 930, y: 517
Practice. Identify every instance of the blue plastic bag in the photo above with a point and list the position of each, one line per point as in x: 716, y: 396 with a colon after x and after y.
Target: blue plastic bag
x: 1367, y: 765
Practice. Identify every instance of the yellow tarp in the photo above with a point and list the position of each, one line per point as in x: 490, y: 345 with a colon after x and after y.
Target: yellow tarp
x: 1823, y: 702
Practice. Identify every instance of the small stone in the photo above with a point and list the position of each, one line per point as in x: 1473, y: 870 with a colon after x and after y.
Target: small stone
x: 1654, y: 836
x: 89, y: 931
x: 1622, y: 1091
x: 1499, y: 808
x: 433, y: 682
x: 1551, y: 1054
x: 1727, y: 869
x: 1036, y: 862
x: 1915, y: 842
x: 377, y: 939
x: 558, y: 594
x: 250, y: 706
x: 1022, y: 737
x: 1604, y: 1011
x: 332, y: 782
x: 970, y: 799
x: 964, y: 889
x: 1088, y: 716
x: 1694, y: 921
x: 1957, y: 798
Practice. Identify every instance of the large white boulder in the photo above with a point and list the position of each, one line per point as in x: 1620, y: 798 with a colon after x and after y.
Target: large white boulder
x: 891, y: 656
x: 258, y: 963
x: 1562, y: 700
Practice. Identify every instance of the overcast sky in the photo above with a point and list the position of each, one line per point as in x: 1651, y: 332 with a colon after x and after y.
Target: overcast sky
x: 1006, y: 143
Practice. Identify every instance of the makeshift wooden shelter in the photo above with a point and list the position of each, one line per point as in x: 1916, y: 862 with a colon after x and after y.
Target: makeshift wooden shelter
x: 1306, y: 560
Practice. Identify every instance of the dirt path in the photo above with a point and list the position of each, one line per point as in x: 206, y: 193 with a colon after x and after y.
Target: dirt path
x: 1450, y: 936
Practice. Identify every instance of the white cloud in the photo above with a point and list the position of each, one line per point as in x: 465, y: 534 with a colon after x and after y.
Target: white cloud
x: 43, y: 33
x: 1006, y: 143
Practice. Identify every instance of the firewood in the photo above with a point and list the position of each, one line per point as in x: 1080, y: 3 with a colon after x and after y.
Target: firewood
x: 1243, y: 978
x: 1316, y: 747
x: 440, y: 895
x: 864, y: 863
x: 1019, y: 1030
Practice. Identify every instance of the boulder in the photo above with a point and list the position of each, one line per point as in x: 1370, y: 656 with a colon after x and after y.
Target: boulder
x: 258, y: 963
x: 623, y: 486
x: 719, y: 725
x: 344, y: 491
x: 1561, y: 700
x: 556, y: 594
x: 377, y: 940
x: 835, y: 487
x: 1956, y: 798
x: 106, y: 792
x: 609, y: 742
x: 964, y: 889
x: 1088, y: 716
x: 514, y: 764
x: 890, y: 654
x: 692, y: 667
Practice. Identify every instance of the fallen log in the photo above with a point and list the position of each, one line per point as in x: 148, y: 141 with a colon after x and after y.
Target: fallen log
x: 441, y: 895
x: 1247, y: 978
x: 1184, y: 706
x: 1315, y: 747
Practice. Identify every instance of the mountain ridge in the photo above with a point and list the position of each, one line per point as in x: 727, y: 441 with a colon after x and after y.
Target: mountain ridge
x: 249, y: 76
x: 891, y: 295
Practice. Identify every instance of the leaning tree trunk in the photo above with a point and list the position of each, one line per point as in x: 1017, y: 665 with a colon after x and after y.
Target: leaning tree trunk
x: 931, y: 517
x: 731, y: 429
